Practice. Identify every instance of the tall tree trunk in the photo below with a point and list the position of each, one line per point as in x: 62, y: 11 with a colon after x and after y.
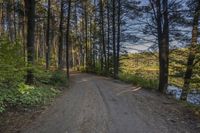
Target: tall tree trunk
x: 60, y: 49
x: 78, y: 38
x: 118, y: 35
x: 86, y: 33
x: 114, y: 39
x: 8, y: 19
x: 14, y: 20
x: 108, y: 36
x: 48, y: 47
x: 67, y: 38
x: 30, y: 12
x: 192, y: 54
x: 3, y: 23
x: 1, y: 18
x: 163, y: 43
x: 103, y: 52
x: 165, y: 46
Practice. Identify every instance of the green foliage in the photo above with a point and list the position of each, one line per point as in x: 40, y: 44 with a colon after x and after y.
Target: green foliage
x: 58, y: 78
x: 42, y: 76
x: 2, y: 106
x: 31, y: 96
x: 146, y: 65
x: 26, y: 96
x: 13, y: 90
x: 139, y: 81
x: 81, y: 69
x: 98, y: 70
x: 12, y: 69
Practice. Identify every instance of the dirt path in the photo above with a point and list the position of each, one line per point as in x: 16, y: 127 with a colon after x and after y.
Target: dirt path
x: 101, y: 105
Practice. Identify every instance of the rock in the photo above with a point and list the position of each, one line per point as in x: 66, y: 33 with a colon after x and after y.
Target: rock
x: 174, y: 91
x: 193, y: 97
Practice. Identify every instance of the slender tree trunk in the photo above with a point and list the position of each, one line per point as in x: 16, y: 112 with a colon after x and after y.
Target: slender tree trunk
x: 164, y: 49
x: 192, y: 54
x: 163, y: 43
x: 118, y: 35
x: 1, y: 18
x: 108, y: 36
x: 14, y: 21
x: 86, y: 33
x: 30, y: 12
x: 67, y: 38
x: 114, y: 39
x: 48, y: 47
x: 91, y: 44
x: 24, y: 29
x: 103, y: 52
x: 78, y: 38
x: 60, y: 49
x: 8, y: 19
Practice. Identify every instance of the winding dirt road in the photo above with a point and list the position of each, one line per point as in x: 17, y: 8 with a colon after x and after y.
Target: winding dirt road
x: 96, y: 104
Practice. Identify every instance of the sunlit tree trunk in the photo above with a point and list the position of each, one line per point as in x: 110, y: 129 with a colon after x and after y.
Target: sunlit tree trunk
x: 192, y: 54
x: 86, y: 33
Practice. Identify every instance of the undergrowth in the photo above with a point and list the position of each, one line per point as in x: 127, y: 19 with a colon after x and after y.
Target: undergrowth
x: 139, y: 81
x: 45, y: 89
x: 13, y: 90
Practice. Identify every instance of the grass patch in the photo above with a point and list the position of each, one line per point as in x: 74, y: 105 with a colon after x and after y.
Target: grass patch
x: 139, y: 81
x: 195, y: 109
x: 46, y: 88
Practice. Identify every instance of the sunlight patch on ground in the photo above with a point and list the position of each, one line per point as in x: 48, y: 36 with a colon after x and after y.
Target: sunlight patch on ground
x: 132, y: 90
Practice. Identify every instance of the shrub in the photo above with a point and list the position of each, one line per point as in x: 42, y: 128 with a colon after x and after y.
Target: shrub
x: 26, y: 96
x: 12, y: 69
x: 42, y: 76
x: 58, y: 78
x: 31, y: 96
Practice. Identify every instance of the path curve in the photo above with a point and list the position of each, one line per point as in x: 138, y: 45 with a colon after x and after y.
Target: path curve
x: 95, y: 104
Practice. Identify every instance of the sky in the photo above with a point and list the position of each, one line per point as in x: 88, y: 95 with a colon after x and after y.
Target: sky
x: 146, y: 41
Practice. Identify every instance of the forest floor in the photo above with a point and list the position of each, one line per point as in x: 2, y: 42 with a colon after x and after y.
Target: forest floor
x: 95, y: 104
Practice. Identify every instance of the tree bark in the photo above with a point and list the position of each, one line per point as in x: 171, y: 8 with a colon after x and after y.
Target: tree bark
x: 67, y: 38
x: 30, y: 12
x: 60, y: 48
x: 163, y: 41
x: 103, y: 50
x: 108, y: 36
x: 48, y: 47
x: 114, y: 39
x: 118, y: 36
x: 86, y: 34
x: 164, y: 49
x: 192, y: 54
x: 1, y: 18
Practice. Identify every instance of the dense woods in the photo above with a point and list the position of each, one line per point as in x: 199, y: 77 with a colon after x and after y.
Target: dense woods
x: 40, y: 41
